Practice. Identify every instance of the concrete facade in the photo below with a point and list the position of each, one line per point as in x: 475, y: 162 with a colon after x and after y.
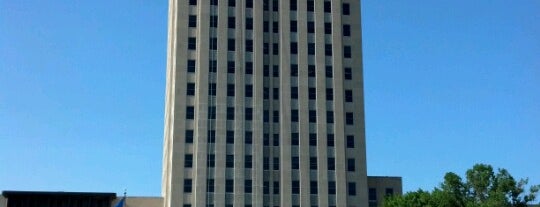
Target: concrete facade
x: 381, y: 186
x: 264, y: 104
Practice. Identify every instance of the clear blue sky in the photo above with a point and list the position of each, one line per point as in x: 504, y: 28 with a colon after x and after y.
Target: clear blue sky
x: 448, y: 84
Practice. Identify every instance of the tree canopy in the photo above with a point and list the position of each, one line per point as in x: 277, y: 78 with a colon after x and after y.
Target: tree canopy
x: 483, y: 187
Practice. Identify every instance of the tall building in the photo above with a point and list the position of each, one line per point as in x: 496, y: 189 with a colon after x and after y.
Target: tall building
x: 264, y: 104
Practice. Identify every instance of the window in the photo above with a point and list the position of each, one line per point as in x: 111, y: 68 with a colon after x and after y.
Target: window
x: 249, y: 3
x: 275, y: 5
x: 311, y: 27
x: 331, y: 187
x: 276, y: 116
x: 189, y: 136
x: 230, y: 67
x: 248, y: 138
x: 313, y: 163
x: 349, y: 118
x: 192, y: 2
x: 266, y: 70
x: 347, y: 30
x: 266, y: 48
x: 327, y: 28
x: 247, y: 186
x: 295, y: 139
x: 352, y: 188
x: 231, y: 23
x: 229, y: 162
x: 212, y: 64
x: 313, y: 187
x: 213, y: 43
x: 190, y: 112
x: 211, y: 160
x: 329, y: 72
x: 192, y: 21
x: 266, y: 187
x: 330, y: 140
x: 312, y: 116
x: 248, y: 161
x: 230, y: 89
x: 249, y: 45
x: 187, y: 186
x: 311, y: 48
x: 211, y: 136
x: 249, y: 68
x: 347, y: 52
x: 249, y: 23
x: 312, y: 93
x: 229, y: 185
x: 229, y: 136
x: 211, y: 112
x: 266, y: 26
x: 231, y: 46
x: 312, y: 139
x: 276, y: 188
x: 330, y: 117
x: 348, y: 96
x: 350, y: 165
x: 310, y: 6
x: 188, y: 160
x: 210, y: 185
x: 191, y: 66
x: 275, y: 93
x: 348, y: 73
x: 276, y: 71
x: 327, y: 7
x: 232, y: 3
x: 328, y: 49
x: 294, y: 48
x: 266, y: 139
x: 211, y: 89
x: 293, y: 26
x: 311, y: 70
x: 249, y: 114
x: 294, y: 5
x: 331, y: 163
x: 275, y: 27
x: 191, y: 89
x: 346, y: 9
x: 266, y: 5
x: 350, y: 141
x: 329, y: 94
x: 266, y: 116
x: 275, y: 49
x: 372, y: 194
x: 266, y: 93
x: 266, y: 163
x: 294, y: 70
x: 192, y: 43
x: 214, y: 2
x: 294, y: 92
x: 295, y: 187
x: 294, y: 115
x: 213, y: 20
x: 276, y: 163
x: 230, y: 113
x: 276, y: 140
x: 249, y: 91
x: 295, y: 163
x: 389, y: 191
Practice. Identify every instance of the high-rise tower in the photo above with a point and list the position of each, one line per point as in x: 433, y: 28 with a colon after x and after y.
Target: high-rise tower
x: 264, y: 104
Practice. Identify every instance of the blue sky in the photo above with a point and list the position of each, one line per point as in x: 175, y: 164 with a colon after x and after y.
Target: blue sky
x: 448, y: 84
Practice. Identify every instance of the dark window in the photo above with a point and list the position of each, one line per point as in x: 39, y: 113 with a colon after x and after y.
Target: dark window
x: 212, y: 136
x: 330, y: 117
x: 330, y: 140
x: 352, y: 188
x: 293, y: 26
x: 331, y: 163
x: 231, y: 23
x: 211, y: 89
x: 276, y: 140
x: 230, y: 113
x: 372, y: 194
x: 329, y: 72
x: 214, y: 2
x: 230, y: 90
x: 294, y: 48
x: 294, y: 5
x: 249, y: 91
x: 331, y: 187
x: 266, y: 163
x: 266, y: 5
x: 313, y: 189
x: 249, y: 23
x: 350, y: 141
x: 188, y: 161
x: 312, y: 116
x: 347, y: 52
x: 311, y: 27
x: 294, y: 115
x: 229, y: 161
x: 248, y: 161
x: 191, y: 89
x: 247, y: 186
x: 313, y: 163
x: 295, y: 187
x: 266, y: 26
x: 266, y: 70
x: 230, y: 67
x: 190, y: 112
x: 275, y: 5
x: 191, y: 66
x: 276, y: 188
x: 231, y: 46
x: 350, y: 165
x: 213, y: 20
x: 329, y: 94
x: 346, y: 30
x: 348, y: 73
x: 294, y: 92
x: 266, y: 139
x: 348, y: 96
x: 249, y: 45
x: 249, y: 114
x: 275, y: 27
x: 229, y: 136
x: 249, y: 3
x: 187, y: 186
x: 311, y: 48
x: 327, y: 28
x: 310, y: 5
x: 294, y: 70
x: 311, y: 71
x: 327, y: 7
x: 312, y: 139
x: 276, y: 163
x: 210, y: 185
x: 189, y: 136
x: 266, y: 48
x: 192, y: 21
x: 275, y: 49
x: 192, y: 43
x: 389, y: 191
x: 295, y: 139
x: 213, y: 43
x: 229, y: 185
x: 211, y: 160
x: 349, y: 118
x: 295, y: 163
x: 275, y: 94
x: 192, y: 2
x: 275, y: 71
x: 248, y: 138
x: 328, y: 49
x: 212, y: 112
x: 346, y: 9
x: 266, y: 116
x: 232, y: 3
x: 212, y: 66
x: 266, y: 93
x: 266, y: 187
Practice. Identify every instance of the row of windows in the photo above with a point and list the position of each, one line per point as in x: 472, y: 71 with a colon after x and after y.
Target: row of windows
x: 293, y: 5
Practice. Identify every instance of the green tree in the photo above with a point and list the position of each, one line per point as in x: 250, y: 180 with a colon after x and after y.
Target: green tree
x: 482, y: 188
